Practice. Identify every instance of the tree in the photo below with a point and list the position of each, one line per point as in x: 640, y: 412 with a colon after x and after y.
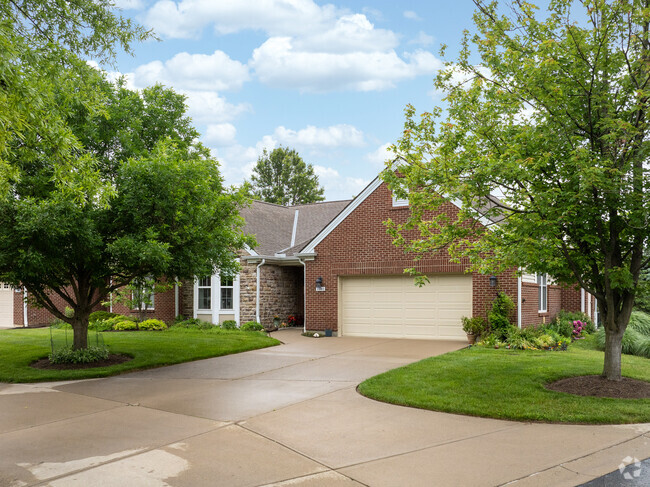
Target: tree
x: 162, y: 210
x: 283, y: 178
x: 41, y: 42
x: 554, y: 121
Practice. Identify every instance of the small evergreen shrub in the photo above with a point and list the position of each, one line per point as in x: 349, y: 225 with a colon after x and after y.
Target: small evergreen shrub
x: 229, y: 325
x: 252, y: 326
x: 101, y: 316
x: 499, y: 316
x: 83, y: 356
x: 125, y: 325
x: 194, y: 324
x: 100, y: 325
x: 152, y: 325
x: 58, y: 324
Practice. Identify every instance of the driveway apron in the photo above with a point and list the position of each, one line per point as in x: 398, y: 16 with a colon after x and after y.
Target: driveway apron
x: 288, y: 415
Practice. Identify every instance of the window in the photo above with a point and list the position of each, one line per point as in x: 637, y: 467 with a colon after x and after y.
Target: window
x: 227, y: 292
x: 400, y: 201
x: 142, y: 297
x: 542, y: 292
x: 205, y: 293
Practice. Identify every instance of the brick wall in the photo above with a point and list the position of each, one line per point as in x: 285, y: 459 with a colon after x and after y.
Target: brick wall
x: 360, y: 246
x: 164, y: 307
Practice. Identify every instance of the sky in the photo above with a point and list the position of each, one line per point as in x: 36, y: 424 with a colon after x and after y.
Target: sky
x: 330, y: 80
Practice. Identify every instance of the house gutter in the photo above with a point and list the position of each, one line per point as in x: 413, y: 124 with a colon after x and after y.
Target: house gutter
x: 519, y: 301
x: 176, y: 313
x: 257, y: 297
x: 25, y: 320
x: 304, y: 295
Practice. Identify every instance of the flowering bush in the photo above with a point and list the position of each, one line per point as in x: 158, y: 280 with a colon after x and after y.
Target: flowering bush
x: 577, y: 330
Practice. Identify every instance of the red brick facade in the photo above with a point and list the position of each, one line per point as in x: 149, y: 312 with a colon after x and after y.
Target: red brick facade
x: 359, y: 245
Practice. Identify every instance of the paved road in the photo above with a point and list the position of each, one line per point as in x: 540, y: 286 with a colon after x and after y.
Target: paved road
x: 288, y: 415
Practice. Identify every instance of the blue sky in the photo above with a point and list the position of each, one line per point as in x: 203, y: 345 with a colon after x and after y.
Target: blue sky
x: 328, y: 79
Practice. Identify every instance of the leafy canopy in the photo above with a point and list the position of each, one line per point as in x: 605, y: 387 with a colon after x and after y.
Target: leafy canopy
x: 553, y: 121
x: 283, y: 178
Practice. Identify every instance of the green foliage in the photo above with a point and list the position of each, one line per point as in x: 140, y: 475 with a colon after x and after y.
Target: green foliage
x: 193, y: 324
x: 60, y: 325
x: 636, y: 339
x: 547, y: 108
x: 82, y: 356
x: 101, y: 315
x: 229, y: 325
x: 499, y: 315
x: 101, y: 325
x: 167, y: 213
x: 125, y: 325
x: 152, y: 325
x: 283, y: 178
x: 475, y: 325
x: 252, y: 326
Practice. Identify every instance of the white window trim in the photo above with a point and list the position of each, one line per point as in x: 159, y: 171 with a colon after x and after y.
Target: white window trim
x: 542, y: 283
x: 146, y: 308
x: 397, y: 202
x: 215, y: 310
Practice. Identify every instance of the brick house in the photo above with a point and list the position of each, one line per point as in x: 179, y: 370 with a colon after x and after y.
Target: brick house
x: 333, y: 267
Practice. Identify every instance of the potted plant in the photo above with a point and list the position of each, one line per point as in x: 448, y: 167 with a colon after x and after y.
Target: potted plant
x: 473, y: 327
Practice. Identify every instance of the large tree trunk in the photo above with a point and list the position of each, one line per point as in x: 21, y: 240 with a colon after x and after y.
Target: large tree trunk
x: 612, y: 367
x: 80, y: 329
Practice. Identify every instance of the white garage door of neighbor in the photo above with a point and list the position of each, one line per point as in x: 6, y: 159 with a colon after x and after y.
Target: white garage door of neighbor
x: 6, y: 305
x: 394, y: 307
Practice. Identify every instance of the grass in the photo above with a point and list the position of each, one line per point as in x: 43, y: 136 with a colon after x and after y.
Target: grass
x: 509, y: 384
x: 19, y: 348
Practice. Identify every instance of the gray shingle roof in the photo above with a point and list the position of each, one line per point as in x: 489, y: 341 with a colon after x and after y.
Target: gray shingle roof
x: 273, y: 224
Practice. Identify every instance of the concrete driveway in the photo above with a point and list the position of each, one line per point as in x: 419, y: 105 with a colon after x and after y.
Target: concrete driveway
x: 288, y: 415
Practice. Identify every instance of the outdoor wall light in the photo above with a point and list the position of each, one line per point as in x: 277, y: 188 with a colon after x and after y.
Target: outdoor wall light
x: 319, y: 281
x: 493, y: 281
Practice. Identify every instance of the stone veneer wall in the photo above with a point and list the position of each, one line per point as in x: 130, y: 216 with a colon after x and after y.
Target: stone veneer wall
x: 280, y: 292
x: 247, y: 292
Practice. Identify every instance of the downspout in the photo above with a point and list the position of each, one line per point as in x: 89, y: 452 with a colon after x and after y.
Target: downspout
x: 110, y: 297
x: 25, y: 320
x: 582, y: 300
x: 304, y: 295
x: 176, y: 313
x: 519, y: 301
x: 257, y: 300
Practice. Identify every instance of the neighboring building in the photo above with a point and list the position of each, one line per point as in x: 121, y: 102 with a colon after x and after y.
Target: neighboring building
x: 332, y: 266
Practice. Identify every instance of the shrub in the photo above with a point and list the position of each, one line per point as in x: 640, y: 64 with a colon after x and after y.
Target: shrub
x: 635, y: 341
x: 83, y: 356
x: 125, y: 325
x: 229, y: 325
x: 152, y: 325
x: 60, y: 325
x: 563, y: 323
x: 193, y: 323
x: 498, y: 317
x: 101, y: 315
x: 252, y: 326
x: 475, y: 325
x: 640, y: 322
x: 100, y: 325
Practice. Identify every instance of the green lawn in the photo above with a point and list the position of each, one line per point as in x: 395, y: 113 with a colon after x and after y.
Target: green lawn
x: 509, y: 384
x: 19, y: 348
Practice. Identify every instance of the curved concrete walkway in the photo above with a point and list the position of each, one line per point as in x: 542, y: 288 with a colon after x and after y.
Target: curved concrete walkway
x: 287, y: 415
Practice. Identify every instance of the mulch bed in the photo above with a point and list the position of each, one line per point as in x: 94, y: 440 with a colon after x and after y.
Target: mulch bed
x: 597, y: 386
x: 113, y: 359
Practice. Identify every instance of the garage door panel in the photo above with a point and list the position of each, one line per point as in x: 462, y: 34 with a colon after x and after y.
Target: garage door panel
x: 398, y: 308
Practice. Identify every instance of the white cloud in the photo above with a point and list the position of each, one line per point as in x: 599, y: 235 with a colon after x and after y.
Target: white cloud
x: 411, y: 15
x: 342, y: 135
x: 220, y: 135
x: 338, y: 187
x: 129, y: 4
x: 350, y: 33
x: 209, y: 107
x: 215, y: 71
x: 422, y: 39
x: 277, y: 63
x: 379, y: 156
x: 187, y: 18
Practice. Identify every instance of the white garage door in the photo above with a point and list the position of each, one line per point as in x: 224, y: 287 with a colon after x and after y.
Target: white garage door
x: 6, y: 305
x: 393, y: 307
